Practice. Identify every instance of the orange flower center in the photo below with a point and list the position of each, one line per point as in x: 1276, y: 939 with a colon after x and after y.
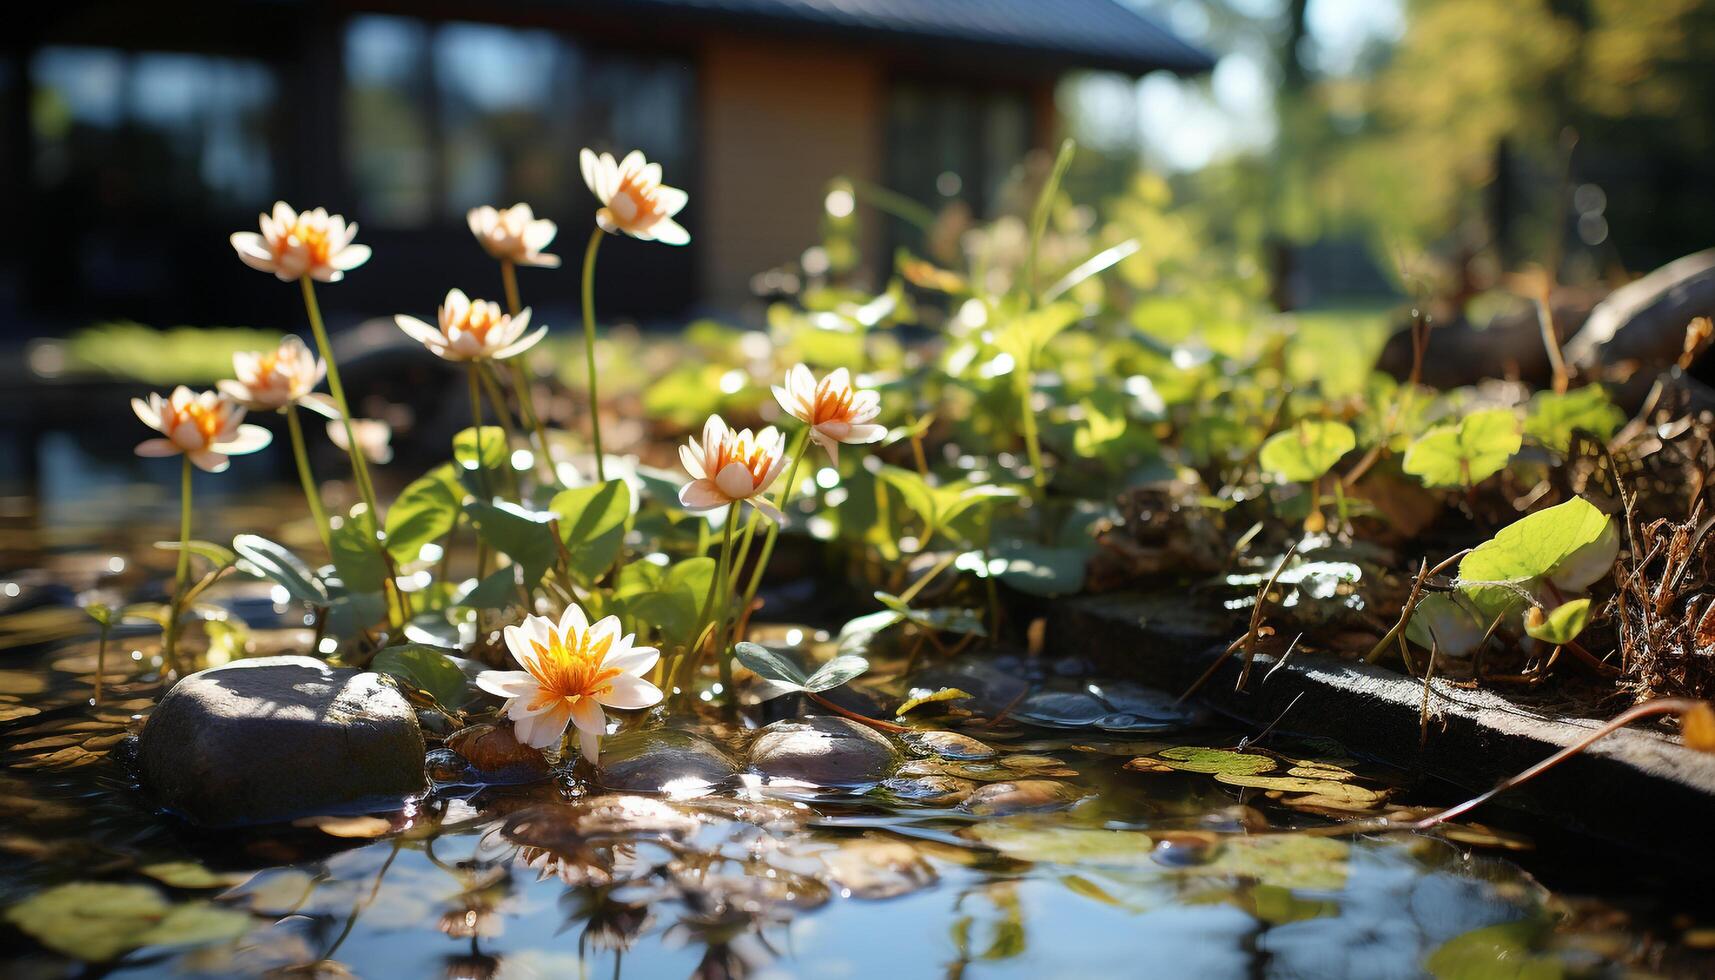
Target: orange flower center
x: 479, y: 320
x: 754, y: 457
x: 831, y: 405
x: 643, y: 207
x: 570, y: 667
x: 206, y: 420
x: 313, y: 237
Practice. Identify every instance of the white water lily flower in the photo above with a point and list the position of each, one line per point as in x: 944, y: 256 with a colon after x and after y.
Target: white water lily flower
x: 571, y: 670
x: 374, y: 437
x: 634, y: 200
x: 728, y: 466
x: 204, y: 426
x: 834, y: 410
x: 472, y: 330
x: 293, y: 245
x: 515, y: 234
x: 271, y: 380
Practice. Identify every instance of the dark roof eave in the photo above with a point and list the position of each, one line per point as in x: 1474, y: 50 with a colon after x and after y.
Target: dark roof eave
x: 1183, y: 59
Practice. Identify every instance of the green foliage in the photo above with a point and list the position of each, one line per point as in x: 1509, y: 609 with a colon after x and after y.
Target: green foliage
x: 1500, y: 573
x: 97, y: 921
x: 426, y: 669
x: 592, y: 524
x: 1552, y: 417
x: 277, y: 563
x: 1562, y: 624
x: 786, y: 676
x: 354, y: 553
x: 518, y: 533
x: 425, y: 511
x: 1307, y: 450
x: 482, y: 472
x: 1467, y: 452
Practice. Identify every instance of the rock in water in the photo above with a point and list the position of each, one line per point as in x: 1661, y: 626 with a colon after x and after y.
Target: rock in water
x: 275, y: 738
x: 664, y: 760
x: 823, y: 750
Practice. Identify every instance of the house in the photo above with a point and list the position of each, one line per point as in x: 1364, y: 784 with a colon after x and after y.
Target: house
x: 135, y: 137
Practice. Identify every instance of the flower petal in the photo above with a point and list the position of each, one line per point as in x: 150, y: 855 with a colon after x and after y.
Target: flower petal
x: 629, y: 692
x: 157, y: 447
x: 592, y: 725
x: 701, y: 495
x: 507, y: 683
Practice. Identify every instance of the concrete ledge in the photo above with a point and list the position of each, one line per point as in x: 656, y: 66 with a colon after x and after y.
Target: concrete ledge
x: 1637, y: 788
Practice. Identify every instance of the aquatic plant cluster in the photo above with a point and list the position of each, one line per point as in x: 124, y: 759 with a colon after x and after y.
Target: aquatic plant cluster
x: 1134, y: 377
x: 571, y: 667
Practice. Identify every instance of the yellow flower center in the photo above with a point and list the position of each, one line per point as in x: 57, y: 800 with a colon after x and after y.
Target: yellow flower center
x: 570, y: 667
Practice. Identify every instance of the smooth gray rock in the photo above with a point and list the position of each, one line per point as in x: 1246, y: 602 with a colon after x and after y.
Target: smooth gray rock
x: 1645, y: 320
x: 652, y: 760
x: 823, y: 750
x: 275, y: 738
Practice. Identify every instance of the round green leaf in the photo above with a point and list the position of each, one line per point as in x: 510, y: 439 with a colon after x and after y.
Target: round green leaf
x: 1562, y: 624
x: 1466, y: 453
x: 1307, y: 450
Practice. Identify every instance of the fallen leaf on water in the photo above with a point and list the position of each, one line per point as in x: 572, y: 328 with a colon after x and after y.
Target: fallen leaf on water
x: 12, y: 712
x: 346, y: 826
x: 97, y: 921
x: 189, y: 874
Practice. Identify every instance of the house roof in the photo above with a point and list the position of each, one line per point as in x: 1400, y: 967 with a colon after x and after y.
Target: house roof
x: 1104, y: 34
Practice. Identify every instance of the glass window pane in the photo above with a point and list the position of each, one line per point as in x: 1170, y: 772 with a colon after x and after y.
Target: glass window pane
x: 387, y: 115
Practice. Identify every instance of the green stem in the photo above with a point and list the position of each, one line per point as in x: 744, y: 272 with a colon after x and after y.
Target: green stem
x: 476, y: 428
x: 1032, y: 443
x: 520, y: 379
x: 798, y: 454
x: 589, y: 350
x: 723, y: 583
x: 182, y: 576
x: 359, y: 468
x: 311, y: 494
x: 498, y: 399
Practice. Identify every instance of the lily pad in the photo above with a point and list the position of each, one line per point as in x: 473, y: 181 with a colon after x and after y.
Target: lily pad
x: 97, y: 921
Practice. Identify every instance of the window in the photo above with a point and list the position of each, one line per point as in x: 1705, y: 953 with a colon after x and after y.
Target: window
x: 443, y: 117
x: 145, y: 132
x: 949, y: 141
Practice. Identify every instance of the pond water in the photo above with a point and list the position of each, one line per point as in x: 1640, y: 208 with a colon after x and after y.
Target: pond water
x: 1114, y: 847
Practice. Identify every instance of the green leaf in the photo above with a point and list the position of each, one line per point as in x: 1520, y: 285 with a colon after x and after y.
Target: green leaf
x: 673, y: 606
x: 189, y: 874
x: 427, y: 669
x: 835, y: 672
x: 1508, y: 951
x: 1553, y: 416
x: 1307, y: 450
x: 592, y: 525
x: 276, y: 562
x: 1025, y: 335
x: 425, y: 511
x: 1466, y: 453
x: 354, y: 553
x: 97, y: 921
x: 520, y: 534
x: 219, y: 554
x: 771, y: 666
x: 497, y: 591
x: 1042, y: 570
x: 930, y: 697
x: 482, y: 475
x: 101, y: 612
x: 1533, y: 547
x: 1563, y: 624
x: 918, y: 496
